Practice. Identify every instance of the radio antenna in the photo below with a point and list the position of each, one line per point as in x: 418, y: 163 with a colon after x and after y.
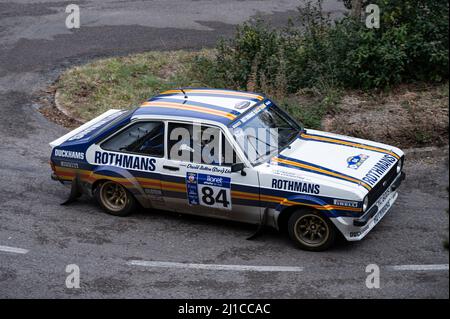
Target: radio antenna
x: 185, y: 95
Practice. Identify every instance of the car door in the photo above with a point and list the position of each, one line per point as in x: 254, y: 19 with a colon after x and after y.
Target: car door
x: 139, y: 148
x: 199, y: 179
x: 184, y: 174
x: 245, y: 192
x: 173, y: 171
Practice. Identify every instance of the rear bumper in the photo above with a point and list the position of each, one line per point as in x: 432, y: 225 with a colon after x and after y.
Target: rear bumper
x: 363, y: 220
x: 59, y: 179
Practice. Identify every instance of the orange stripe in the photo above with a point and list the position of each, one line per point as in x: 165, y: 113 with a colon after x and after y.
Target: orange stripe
x: 276, y: 159
x: 353, y: 144
x: 181, y: 187
x: 190, y: 108
x: 223, y: 92
x: 244, y: 195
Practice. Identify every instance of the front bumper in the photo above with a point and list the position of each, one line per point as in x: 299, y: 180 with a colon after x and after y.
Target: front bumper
x: 363, y: 220
x: 356, y: 229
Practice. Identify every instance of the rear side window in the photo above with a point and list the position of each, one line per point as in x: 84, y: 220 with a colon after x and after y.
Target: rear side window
x: 200, y: 144
x: 145, y: 138
x: 229, y: 156
x: 180, y: 143
x: 203, y: 148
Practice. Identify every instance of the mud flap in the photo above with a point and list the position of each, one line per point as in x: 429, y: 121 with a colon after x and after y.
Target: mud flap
x: 261, y: 225
x: 75, y: 192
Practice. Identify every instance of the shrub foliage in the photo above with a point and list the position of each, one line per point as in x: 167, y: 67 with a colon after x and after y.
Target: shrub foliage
x: 315, y: 52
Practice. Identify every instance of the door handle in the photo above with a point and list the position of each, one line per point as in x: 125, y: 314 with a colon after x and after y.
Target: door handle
x: 171, y: 168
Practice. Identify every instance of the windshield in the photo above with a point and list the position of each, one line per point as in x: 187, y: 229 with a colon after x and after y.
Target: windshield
x: 264, y: 131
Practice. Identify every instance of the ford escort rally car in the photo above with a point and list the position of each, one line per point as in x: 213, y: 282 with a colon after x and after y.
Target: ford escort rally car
x: 312, y: 184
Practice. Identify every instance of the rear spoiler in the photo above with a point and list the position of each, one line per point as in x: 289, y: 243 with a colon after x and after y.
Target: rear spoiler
x: 91, y: 125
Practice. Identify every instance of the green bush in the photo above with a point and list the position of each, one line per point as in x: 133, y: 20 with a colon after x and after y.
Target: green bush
x: 410, y: 45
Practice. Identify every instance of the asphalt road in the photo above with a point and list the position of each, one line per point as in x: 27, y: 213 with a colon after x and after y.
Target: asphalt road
x: 35, y: 47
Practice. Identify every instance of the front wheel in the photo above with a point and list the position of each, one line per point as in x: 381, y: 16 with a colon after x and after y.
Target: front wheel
x: 310, y: 230
x: 115, y: 199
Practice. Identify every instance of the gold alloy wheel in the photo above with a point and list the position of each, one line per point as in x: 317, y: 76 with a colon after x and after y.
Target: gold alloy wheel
x: 311, y: 230
x: 113, y: 196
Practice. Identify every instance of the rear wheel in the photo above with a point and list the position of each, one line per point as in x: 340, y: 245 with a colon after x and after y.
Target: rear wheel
x: 115, y: 199
x: 310, y: 230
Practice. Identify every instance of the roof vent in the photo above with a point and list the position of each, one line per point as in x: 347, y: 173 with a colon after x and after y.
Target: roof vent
x: 242, y: 105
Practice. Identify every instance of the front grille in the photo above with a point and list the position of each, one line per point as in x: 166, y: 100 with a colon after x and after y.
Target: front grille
x: 379, y: 189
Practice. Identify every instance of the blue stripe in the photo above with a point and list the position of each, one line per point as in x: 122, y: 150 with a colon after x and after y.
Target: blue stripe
x: 386, y: 151
x: 287, y: 194
x: 185, y: 113
x: 212, y: 94
x: 193, y: 103
x: 246, y: 202
x: 332, y: 213
x: 179, y: 195
x: 316, y: 172
x: 239, y: 97
x: 245, y: 188
x: 283, y: 193
x: 236, y: 187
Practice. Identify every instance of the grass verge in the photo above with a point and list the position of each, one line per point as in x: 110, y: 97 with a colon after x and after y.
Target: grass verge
x: 124, y: 82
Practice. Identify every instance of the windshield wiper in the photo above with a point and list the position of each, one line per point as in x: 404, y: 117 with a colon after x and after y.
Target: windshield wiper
x: 264, y: 155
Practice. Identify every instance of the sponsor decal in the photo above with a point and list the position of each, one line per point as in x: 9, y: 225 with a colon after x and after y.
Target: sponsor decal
x: 345, y: 203
x: 151, y: 191
x: 69, y: 154
x: 192, y: 188
x: 356, y: 161
x: 139, y: 163
x: 287, y: 174
x: 214, y: 169
x: 69, y: 164
x: 237, y: 124
x: 208, y: 190
x: 251, y: 114
x: 379, y: 169
x: 359, y: 233
x: 384, y: 196
x: 295, y: 186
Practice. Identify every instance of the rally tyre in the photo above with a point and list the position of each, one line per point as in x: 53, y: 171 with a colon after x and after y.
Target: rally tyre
x: 115, y: 199
x: 310, y: 230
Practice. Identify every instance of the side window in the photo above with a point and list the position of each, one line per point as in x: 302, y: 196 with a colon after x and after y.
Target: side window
x: 142, y: 137
x: 229, y: 155
x: 196, y: 144
x: 179, y: 142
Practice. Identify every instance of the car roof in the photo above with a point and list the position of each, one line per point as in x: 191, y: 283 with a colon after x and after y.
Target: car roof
x: 218, y: 105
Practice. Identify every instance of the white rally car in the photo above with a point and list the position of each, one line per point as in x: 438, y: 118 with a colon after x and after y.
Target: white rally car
x: 198, y: 151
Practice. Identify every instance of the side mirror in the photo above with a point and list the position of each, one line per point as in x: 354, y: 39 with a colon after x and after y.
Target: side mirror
x: 236, y: 167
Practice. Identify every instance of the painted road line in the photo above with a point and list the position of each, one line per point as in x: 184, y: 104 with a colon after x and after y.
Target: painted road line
x: 15, y: 250
x: 164, y: 264
x: 419, y: 267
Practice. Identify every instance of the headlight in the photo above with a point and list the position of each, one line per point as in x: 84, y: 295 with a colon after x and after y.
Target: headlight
x: 399, y: 166
x: 365, y: 203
